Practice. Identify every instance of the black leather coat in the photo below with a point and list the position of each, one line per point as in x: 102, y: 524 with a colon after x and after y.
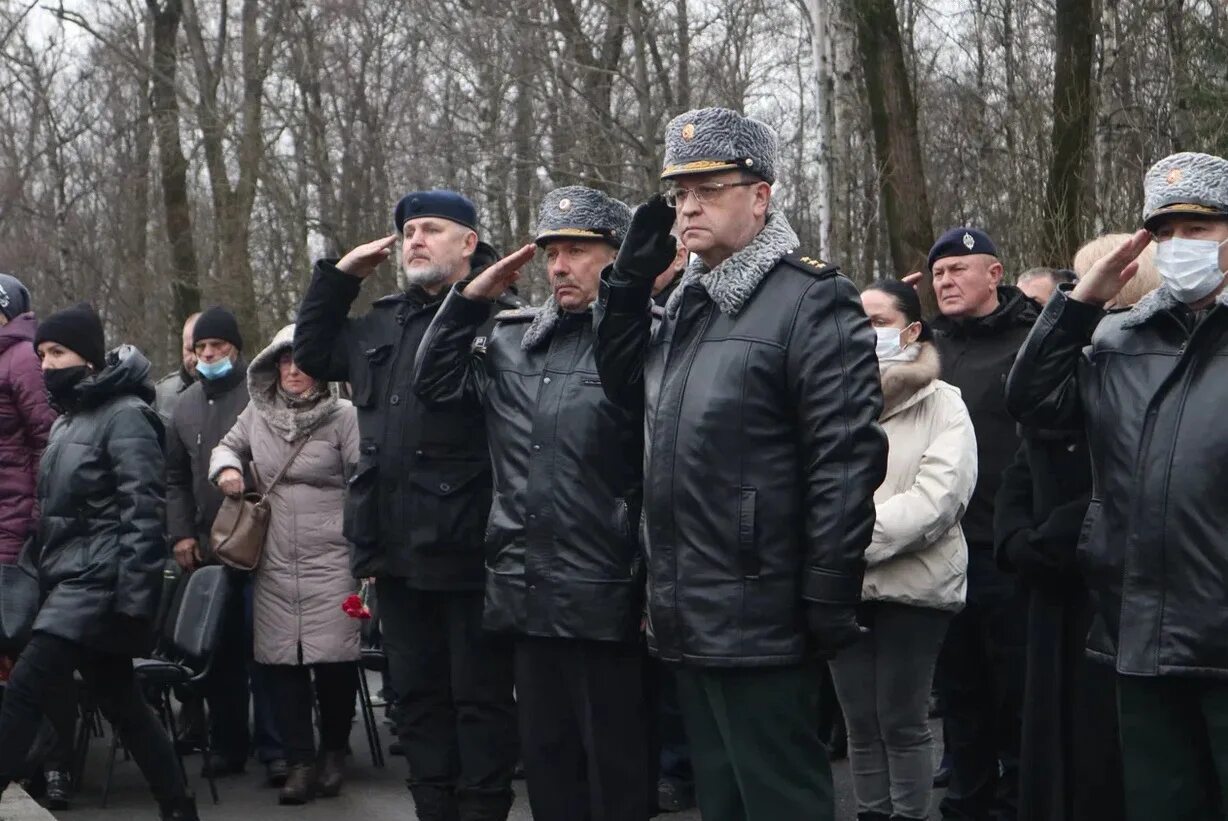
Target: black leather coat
x: 417, y: 503
x: 563, y: 559
x: 1150, y: 392
x: 102, y: 500
x: 763, y: 451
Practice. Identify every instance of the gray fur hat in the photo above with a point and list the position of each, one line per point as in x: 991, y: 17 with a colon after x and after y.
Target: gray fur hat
x: 576, y: 212
x: 704, y: 140
x: 1188, y: 185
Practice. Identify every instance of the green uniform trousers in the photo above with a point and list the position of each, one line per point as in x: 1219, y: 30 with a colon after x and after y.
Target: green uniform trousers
x: 755, y: 744
x: 1174, y: 736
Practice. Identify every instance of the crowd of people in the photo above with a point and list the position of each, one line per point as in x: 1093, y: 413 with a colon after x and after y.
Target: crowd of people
x: 621, y: 537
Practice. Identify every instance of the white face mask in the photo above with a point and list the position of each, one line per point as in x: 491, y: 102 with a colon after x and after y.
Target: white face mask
x: 889, y: 347
x: 1190, y: 267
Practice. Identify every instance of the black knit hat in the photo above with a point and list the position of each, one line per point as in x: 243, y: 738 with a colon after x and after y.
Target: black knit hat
x: 77, y: 328
x: 217, y: 323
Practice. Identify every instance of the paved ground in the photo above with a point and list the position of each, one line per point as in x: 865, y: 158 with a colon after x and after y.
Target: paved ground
x: 370, y: 795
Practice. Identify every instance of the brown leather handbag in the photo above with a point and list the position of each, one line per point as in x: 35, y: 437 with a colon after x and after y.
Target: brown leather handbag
x: 238, y: 533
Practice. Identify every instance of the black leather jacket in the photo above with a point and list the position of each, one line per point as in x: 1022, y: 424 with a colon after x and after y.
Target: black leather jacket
x: 1150, y: 391
x: 102, y: 500
x: 562, y: 555
x: 417, y: 503
x: 763, y: 452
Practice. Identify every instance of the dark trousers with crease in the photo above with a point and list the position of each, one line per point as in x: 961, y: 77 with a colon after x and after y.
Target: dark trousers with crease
x: 583, y: 729
x: 290, y: 689
x: 456, y: 715
x: 755, y: 746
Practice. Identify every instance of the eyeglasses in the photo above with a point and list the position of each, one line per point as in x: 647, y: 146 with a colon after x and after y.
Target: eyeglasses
x: 703, y: 193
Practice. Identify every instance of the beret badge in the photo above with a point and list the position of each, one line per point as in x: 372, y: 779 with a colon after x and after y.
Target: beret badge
x: 969, y: 242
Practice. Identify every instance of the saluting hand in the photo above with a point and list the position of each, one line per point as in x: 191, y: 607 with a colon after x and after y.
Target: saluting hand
x: 649, y: 248
x: 491, y: 283
x: 1109, y: 274
x: 363, y: 260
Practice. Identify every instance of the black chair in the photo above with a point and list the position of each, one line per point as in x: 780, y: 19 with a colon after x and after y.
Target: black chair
x: 372, y: 659
x: 184, y: 656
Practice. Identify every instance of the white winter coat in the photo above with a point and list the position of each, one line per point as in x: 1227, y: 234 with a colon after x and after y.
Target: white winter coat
x: 918, y: 555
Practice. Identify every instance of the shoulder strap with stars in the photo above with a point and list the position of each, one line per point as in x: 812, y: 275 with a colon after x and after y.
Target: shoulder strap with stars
x: 516, y: 315
x: 809, y: 265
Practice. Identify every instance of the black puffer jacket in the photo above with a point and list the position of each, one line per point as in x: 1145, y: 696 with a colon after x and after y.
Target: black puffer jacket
x: 101, y: 493
x: 417, y: 503
x: 1150, y: 392
x: 763, y: 449
x: 204, y: 413
x: 563, y: 557
x: 977, y: 354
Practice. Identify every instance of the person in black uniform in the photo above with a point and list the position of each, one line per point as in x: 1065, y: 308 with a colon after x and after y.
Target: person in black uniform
x: 416, y: 508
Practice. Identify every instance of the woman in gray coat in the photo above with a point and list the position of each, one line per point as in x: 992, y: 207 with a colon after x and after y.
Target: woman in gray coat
x: 304, y: 573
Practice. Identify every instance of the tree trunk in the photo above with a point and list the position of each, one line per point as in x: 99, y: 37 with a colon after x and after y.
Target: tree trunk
x: 172, y: 163
x: 824, y: 113
x: 897, y: 146
x: 1073, y: 121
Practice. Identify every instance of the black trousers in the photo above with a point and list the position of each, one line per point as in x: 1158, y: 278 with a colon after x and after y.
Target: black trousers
x: 583, y: 729
x: 336, y: 687
x: 44, y: 673
x: 456, y: 716
x: 980, y: 676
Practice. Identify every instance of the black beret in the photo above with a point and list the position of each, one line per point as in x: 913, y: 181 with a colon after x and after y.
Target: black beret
x: 961, y: 242
x: 447, y: 205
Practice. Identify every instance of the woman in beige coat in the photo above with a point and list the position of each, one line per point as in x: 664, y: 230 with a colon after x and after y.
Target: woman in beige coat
x: 304, y: 573
x: 916, y: 565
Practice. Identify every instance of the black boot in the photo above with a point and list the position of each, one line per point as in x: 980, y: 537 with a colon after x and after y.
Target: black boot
x: 179, y: 809
x: 434, y: 803
x: 300, y: 786
x: 59, y: 785
x: 484, y: 806
x: 331, y: 773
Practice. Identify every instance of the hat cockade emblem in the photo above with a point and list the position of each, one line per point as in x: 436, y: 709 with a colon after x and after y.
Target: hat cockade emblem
x: 1175, y: 176
x: 969, y: 242
x: 564, y: 204
x: 688, y: 131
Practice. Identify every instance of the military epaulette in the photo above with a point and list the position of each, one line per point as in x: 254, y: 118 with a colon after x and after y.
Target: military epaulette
x: 516, y: 315
x: 809, y: 265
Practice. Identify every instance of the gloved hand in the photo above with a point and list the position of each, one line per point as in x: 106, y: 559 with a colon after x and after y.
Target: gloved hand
x: 649, y: 247
x: 832, y: 627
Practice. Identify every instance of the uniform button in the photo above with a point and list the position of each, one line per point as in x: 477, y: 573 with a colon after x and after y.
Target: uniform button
x: 532, y: 517
x: 537, y: 447
x: 395, y: 399
x: 445, y: 487
x: 547, y: 380
x: 532, y: 588
x: 419, y: 453
x: 210, y: 401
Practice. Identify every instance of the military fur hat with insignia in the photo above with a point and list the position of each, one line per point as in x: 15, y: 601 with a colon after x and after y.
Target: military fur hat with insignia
x: 576, y: 212
x: 1185, y: 185
x: 718, y: 139
x: 961, y: 242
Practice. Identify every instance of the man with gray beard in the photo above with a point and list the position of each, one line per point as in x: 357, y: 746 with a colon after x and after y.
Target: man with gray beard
x: 416, y: 507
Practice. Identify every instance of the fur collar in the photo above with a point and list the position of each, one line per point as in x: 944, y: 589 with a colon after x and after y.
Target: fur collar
x: 289, y: 423
x: 545, y: 318
x: 1156, y: 303
x: 731, y: 283
x: 903, y: 380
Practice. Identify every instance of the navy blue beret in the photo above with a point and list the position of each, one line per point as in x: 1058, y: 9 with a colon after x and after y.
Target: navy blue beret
x: 961, y: 242
x: 448, y: 205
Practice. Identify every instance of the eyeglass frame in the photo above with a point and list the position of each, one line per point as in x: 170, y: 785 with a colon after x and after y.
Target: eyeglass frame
x: 711, y: 189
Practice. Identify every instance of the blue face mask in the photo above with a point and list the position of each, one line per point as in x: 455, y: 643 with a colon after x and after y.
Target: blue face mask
x: 214, y: 370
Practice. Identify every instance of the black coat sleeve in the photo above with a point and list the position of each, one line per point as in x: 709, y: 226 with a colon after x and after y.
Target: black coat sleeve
x: 835, y: 391
x: 447, y: 370
x: 1042, y: 390
x: 322, y: 333
x: 136, y: 457
x: 624, y: 327
x: 180, y: 496
x: 1013, y: 506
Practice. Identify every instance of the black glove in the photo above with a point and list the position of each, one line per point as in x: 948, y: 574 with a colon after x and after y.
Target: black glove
x: 649, y: 247
x: 832, y: 627
x: 1040, y: 561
